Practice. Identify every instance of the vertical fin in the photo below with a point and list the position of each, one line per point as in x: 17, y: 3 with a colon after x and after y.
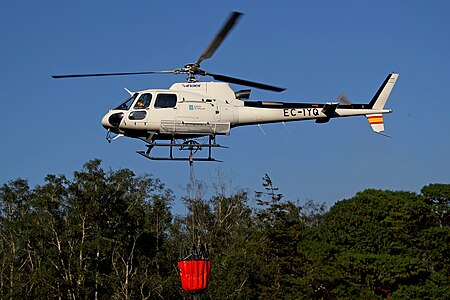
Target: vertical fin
x: 380, y: 98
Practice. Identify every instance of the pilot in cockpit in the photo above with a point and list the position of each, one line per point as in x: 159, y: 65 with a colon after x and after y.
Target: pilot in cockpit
x: 143, y: 101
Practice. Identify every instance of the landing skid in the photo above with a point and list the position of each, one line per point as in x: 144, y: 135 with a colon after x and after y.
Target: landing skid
x: 189, y: 145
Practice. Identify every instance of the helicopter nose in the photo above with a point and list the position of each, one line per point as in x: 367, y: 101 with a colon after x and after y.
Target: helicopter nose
x: 112, y: 121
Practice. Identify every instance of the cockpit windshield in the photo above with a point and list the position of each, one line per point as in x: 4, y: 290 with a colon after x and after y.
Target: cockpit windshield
x: 127, y: 103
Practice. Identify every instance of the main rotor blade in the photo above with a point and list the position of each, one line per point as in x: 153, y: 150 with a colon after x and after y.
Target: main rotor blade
x: 245, y: 82
x: 111, y: 74
x: 218, y: 39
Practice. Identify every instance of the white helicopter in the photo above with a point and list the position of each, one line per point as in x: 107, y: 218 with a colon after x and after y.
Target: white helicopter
x: 191, y: 110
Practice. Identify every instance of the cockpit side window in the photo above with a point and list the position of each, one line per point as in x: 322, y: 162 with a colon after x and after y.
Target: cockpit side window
x: 143, y: 101
x: 166, y: 100
x: 127, y: 103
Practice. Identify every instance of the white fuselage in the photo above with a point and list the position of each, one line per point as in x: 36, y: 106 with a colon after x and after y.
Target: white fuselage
x: 209, y: 108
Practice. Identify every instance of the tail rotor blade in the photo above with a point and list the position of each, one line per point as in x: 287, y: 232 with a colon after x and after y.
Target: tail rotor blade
x: 343, y: 99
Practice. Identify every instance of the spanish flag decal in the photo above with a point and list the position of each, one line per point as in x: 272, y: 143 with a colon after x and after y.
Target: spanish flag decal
x: 375, y: 119
x: 376, y: 122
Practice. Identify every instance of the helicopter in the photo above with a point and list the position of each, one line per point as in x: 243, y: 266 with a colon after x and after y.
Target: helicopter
x: 187, y: 111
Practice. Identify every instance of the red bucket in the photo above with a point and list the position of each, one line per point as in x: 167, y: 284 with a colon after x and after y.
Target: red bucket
x: 194, y: 275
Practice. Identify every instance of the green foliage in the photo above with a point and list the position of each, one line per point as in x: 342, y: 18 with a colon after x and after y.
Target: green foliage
x: 94, y: 236
x: 382, y: 243
x: 438, y: 197
x: 112, y: 235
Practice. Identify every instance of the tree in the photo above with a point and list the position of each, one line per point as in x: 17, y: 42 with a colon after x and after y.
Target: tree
x: 282, y: 230
x: 377, y: 241
x: 111, y: 235
x: 438, y: 197
x: 99, y: 235
x: 234, y: 257
x: 14, y: 209
x: 49, y: 222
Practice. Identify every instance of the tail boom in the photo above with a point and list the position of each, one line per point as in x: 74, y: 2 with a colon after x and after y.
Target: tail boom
x: 262, y: 112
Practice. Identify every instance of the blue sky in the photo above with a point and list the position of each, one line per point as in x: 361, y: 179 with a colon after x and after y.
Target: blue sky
x: 316, y: 49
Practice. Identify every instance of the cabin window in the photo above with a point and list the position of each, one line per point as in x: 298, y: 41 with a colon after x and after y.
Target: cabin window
x: 143, y: 101
x: 165, y: 100
x: 127, y: 103
x: 137, y: 115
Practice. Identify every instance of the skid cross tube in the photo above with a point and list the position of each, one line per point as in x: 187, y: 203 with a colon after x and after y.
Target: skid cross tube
x: 190, y: 145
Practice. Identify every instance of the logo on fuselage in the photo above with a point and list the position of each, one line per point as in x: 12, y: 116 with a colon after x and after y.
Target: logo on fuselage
x: 191, y: 85
x: 196, y: 107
